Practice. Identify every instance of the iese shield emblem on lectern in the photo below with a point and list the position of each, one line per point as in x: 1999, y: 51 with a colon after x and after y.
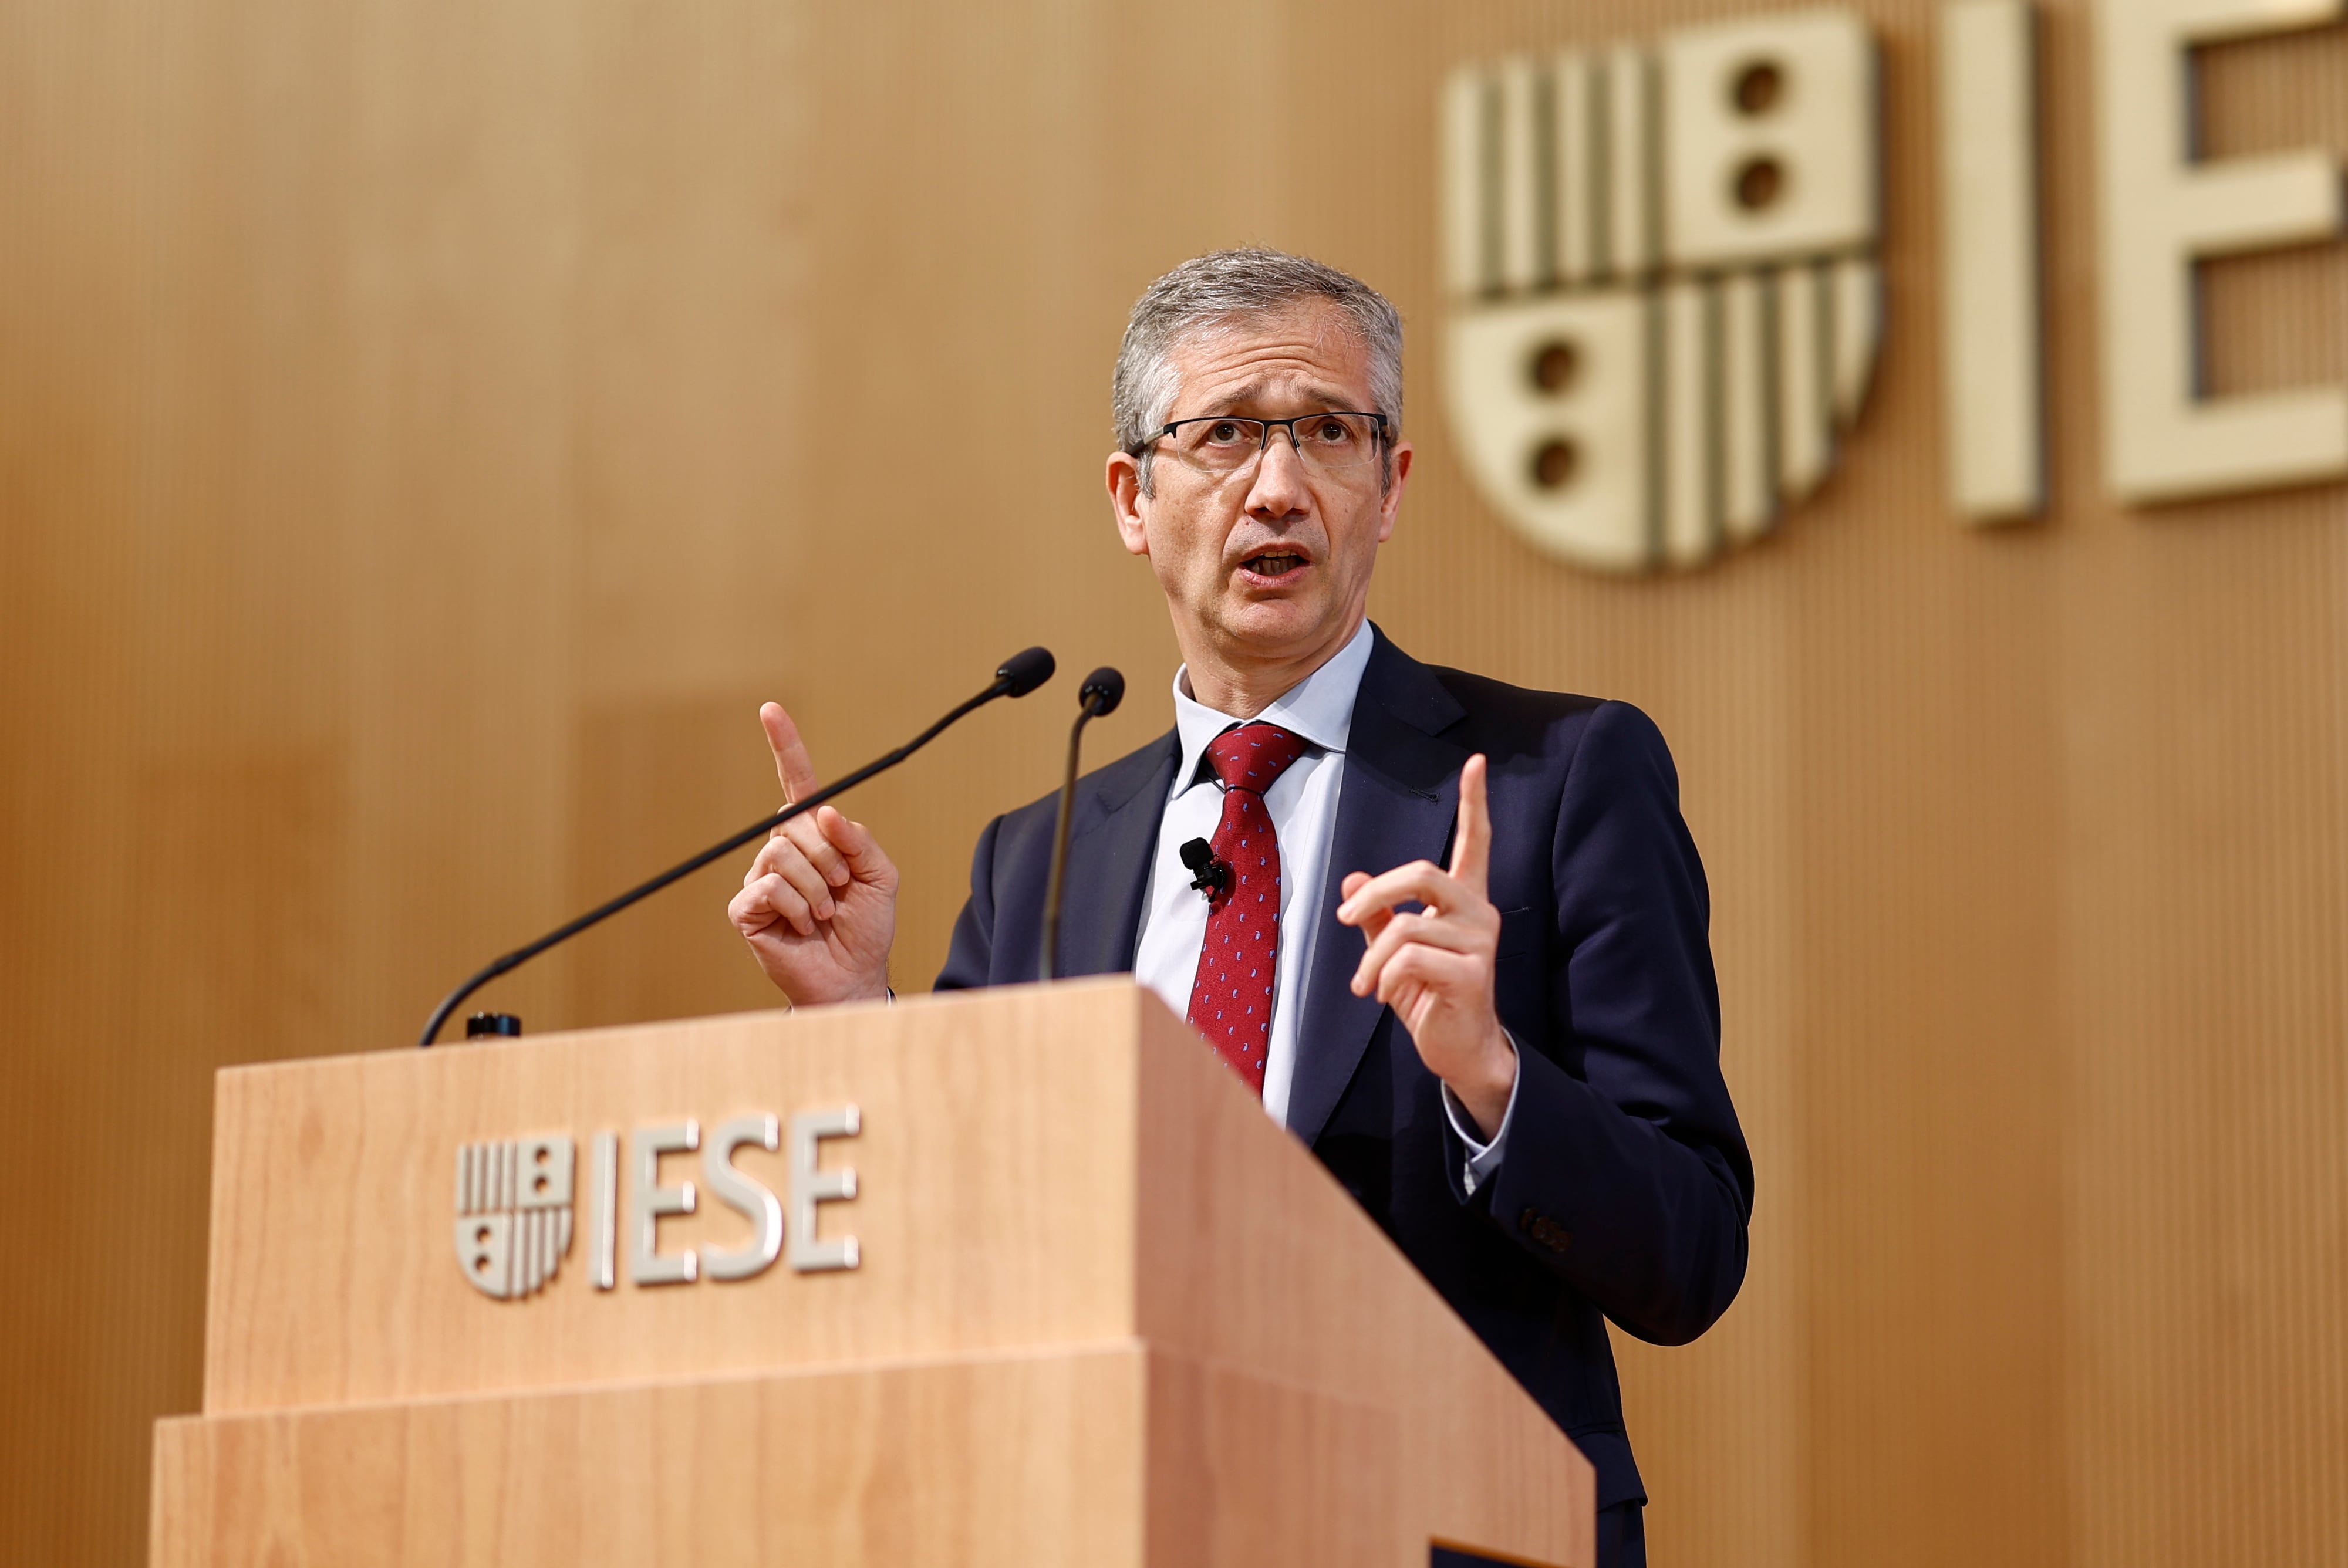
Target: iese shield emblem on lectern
x: 513, y: 1213
x: 1666, y: 298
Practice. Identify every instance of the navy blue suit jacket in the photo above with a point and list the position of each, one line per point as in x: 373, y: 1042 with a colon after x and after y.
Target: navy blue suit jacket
x: 1626, y: 1186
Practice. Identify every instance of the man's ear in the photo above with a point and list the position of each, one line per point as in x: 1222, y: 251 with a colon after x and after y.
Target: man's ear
x: 1126, y: 500
x: 1390, y: 504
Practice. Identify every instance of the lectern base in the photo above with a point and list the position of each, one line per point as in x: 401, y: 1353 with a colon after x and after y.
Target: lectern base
x: 1121, y: 1454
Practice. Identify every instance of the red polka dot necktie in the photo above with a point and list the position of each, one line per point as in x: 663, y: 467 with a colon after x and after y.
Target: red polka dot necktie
x: 1231, y: 1000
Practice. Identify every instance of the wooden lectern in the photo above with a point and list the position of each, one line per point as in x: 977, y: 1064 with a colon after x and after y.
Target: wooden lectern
x: 1079, y: 1303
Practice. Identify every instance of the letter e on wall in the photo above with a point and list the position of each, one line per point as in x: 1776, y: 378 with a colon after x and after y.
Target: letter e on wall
x: 2163, y: 212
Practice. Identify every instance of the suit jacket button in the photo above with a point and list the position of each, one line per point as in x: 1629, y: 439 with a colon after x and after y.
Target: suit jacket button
x: 1545, y: 1230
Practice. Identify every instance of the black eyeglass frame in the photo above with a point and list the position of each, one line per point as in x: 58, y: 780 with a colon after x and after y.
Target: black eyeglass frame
x: 1264, y: 442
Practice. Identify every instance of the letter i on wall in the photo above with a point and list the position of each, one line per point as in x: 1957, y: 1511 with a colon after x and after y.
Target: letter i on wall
x: 1991, y: 357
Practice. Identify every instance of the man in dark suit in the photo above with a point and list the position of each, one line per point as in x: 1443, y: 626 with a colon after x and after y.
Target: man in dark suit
x: 1500, y: 1028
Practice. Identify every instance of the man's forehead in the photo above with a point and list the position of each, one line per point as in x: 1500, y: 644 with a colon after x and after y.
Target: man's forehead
x: 1311, y: 351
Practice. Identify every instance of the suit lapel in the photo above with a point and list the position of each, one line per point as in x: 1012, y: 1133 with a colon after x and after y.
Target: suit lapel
x: 1400, y: 794
x: 1110, y: 844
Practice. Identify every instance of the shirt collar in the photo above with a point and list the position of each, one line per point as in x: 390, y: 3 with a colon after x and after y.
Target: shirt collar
x: 1318, y: 709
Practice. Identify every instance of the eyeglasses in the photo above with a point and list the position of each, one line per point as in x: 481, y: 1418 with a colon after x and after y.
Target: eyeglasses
x: 1224, y: 444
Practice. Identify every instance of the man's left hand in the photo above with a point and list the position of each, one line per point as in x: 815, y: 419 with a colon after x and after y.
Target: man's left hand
x: 1435, y: 966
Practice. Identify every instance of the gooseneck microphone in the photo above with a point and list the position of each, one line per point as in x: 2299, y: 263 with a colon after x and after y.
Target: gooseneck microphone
x: 1015, y: 677
x: 1103, y: 689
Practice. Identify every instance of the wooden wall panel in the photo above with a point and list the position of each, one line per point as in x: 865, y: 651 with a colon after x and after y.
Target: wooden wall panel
x: 427, y: 430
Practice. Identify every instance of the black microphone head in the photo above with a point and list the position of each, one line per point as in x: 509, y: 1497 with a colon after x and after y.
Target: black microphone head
x: 1103, y: 689
x: 1026, y: 670
x: 1208, y: 874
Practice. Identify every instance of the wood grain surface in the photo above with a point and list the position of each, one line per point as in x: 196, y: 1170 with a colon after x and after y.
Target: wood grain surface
x: 996, y: 1201
x: 1118, y: 1455
x: 427, y: 429
x: 1001, y: 1459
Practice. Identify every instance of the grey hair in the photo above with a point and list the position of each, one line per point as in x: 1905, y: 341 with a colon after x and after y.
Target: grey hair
x: 1244, y: 284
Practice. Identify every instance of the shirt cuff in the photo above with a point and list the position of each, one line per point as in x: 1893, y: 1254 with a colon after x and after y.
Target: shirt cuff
x: 1483, y: 1158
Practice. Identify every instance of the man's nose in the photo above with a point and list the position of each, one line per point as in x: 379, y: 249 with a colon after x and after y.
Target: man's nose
x: 1279, y: 490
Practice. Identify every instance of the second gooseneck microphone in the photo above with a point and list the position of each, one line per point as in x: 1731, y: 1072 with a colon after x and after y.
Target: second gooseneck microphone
x: 1103, y: 689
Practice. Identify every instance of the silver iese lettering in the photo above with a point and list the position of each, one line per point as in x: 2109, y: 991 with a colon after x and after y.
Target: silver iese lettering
x: 811, y: 1185
x: 650, y: 1201
x: 746, y: 1195
x: 513, y: 1204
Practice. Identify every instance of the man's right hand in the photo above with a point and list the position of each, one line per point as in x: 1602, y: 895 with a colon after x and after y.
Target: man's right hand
x: 818, y: 905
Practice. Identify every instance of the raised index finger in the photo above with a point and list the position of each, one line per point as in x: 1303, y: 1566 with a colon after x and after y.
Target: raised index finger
x: 793, y: 767
x: 1471, y: 849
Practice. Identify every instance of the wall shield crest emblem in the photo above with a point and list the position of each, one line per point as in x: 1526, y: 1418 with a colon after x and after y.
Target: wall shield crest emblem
x: 1665, y: 296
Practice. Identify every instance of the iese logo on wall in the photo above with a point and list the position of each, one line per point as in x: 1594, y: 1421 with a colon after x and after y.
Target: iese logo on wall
x: 1667, y: 298
x: 515, y: 1201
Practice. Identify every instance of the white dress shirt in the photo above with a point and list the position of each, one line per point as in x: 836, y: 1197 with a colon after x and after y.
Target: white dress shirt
x: 1302, y: 804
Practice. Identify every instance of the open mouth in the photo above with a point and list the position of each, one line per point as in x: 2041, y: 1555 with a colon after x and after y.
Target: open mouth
x: 1272, y: 563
